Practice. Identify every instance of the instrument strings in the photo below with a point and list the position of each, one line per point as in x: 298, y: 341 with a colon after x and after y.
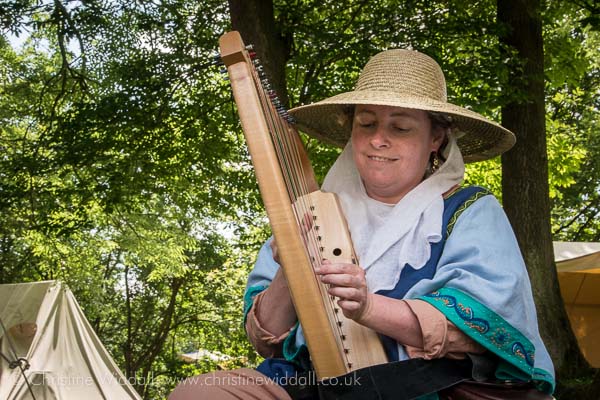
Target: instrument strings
x: 286, y: 144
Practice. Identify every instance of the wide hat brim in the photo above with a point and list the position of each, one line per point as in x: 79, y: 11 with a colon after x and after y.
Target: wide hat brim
x: 478, y: 137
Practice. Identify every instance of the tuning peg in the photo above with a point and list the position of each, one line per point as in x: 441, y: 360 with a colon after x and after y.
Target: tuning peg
x: 216, y: 59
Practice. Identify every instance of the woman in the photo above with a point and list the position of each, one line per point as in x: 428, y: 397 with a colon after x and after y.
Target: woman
x: 441, y: 276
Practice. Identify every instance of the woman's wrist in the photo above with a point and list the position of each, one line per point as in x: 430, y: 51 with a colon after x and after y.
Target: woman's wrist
x: 277, y: 304
x: 393, y: 318
x: 366, y: 315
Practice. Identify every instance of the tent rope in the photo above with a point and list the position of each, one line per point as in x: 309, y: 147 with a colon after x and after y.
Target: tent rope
x: 12, y: 364
x: 20, y: 362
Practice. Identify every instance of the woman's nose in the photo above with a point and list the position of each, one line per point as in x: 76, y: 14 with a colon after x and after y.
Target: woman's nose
x: 379, y: 139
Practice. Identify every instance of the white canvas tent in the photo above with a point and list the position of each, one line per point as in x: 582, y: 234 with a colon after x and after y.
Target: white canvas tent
x: 66, y: 359
x: 578, y: 267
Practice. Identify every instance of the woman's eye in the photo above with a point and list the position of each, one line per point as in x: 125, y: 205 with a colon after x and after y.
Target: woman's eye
x: 400, y: 129
x: 366, y: 124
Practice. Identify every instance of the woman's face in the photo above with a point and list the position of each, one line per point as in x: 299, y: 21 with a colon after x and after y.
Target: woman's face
x: 391, y: 149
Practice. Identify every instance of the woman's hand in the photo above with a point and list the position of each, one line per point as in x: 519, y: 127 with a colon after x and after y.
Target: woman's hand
x: 349, y: 284
x: 305, y: 227
x: 275, y: 251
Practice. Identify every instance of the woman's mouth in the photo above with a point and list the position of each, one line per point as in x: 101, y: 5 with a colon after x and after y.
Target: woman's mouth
x: 381, y: 159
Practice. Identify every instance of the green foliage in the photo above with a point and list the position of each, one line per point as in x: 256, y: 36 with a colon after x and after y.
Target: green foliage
x: 122, y: 168
x: 573, y: 90
x: 487, y: 174
x: 565, y: 156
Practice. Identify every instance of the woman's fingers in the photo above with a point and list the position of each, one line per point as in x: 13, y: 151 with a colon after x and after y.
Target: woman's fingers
x: 348, y: 283
x: 343, y: 279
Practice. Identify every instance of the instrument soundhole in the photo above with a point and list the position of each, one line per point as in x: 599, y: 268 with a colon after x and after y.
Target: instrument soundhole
x: 337, y: 252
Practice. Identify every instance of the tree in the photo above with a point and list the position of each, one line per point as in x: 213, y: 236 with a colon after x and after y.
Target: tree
x: 255, y: 20
x: 117, y: 180
x: 525, y: 177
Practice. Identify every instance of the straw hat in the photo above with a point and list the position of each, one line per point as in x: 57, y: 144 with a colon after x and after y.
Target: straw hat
x: 409, y: 79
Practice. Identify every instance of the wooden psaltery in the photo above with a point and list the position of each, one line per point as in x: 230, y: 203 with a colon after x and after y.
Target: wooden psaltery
x: 307, y: 224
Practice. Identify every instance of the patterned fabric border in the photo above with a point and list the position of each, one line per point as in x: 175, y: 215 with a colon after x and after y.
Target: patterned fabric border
x: 485, y: 327
x: 479, y: 194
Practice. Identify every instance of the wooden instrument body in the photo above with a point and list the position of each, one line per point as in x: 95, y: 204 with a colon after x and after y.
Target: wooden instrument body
x: 337, y: 345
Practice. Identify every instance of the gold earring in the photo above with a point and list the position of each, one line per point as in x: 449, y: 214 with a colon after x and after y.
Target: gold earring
x: 435, y: 162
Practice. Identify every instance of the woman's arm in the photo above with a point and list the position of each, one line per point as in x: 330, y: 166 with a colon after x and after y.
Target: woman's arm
x: 277, y: 313
x: 271, y: 315
x: 385, y: 315
x: 422, y: 329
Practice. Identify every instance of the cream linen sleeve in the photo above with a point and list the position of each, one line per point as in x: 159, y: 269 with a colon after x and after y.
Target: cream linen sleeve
x: 265, y: 343
x: 441, y: 338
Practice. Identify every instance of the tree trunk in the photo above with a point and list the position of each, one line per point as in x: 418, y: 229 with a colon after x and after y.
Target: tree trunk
x: 255, y: 21
x: 525, y: 179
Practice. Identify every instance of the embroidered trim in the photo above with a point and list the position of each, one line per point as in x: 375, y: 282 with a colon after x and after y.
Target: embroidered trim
x: 479, y: 194
x: 485, y: 327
